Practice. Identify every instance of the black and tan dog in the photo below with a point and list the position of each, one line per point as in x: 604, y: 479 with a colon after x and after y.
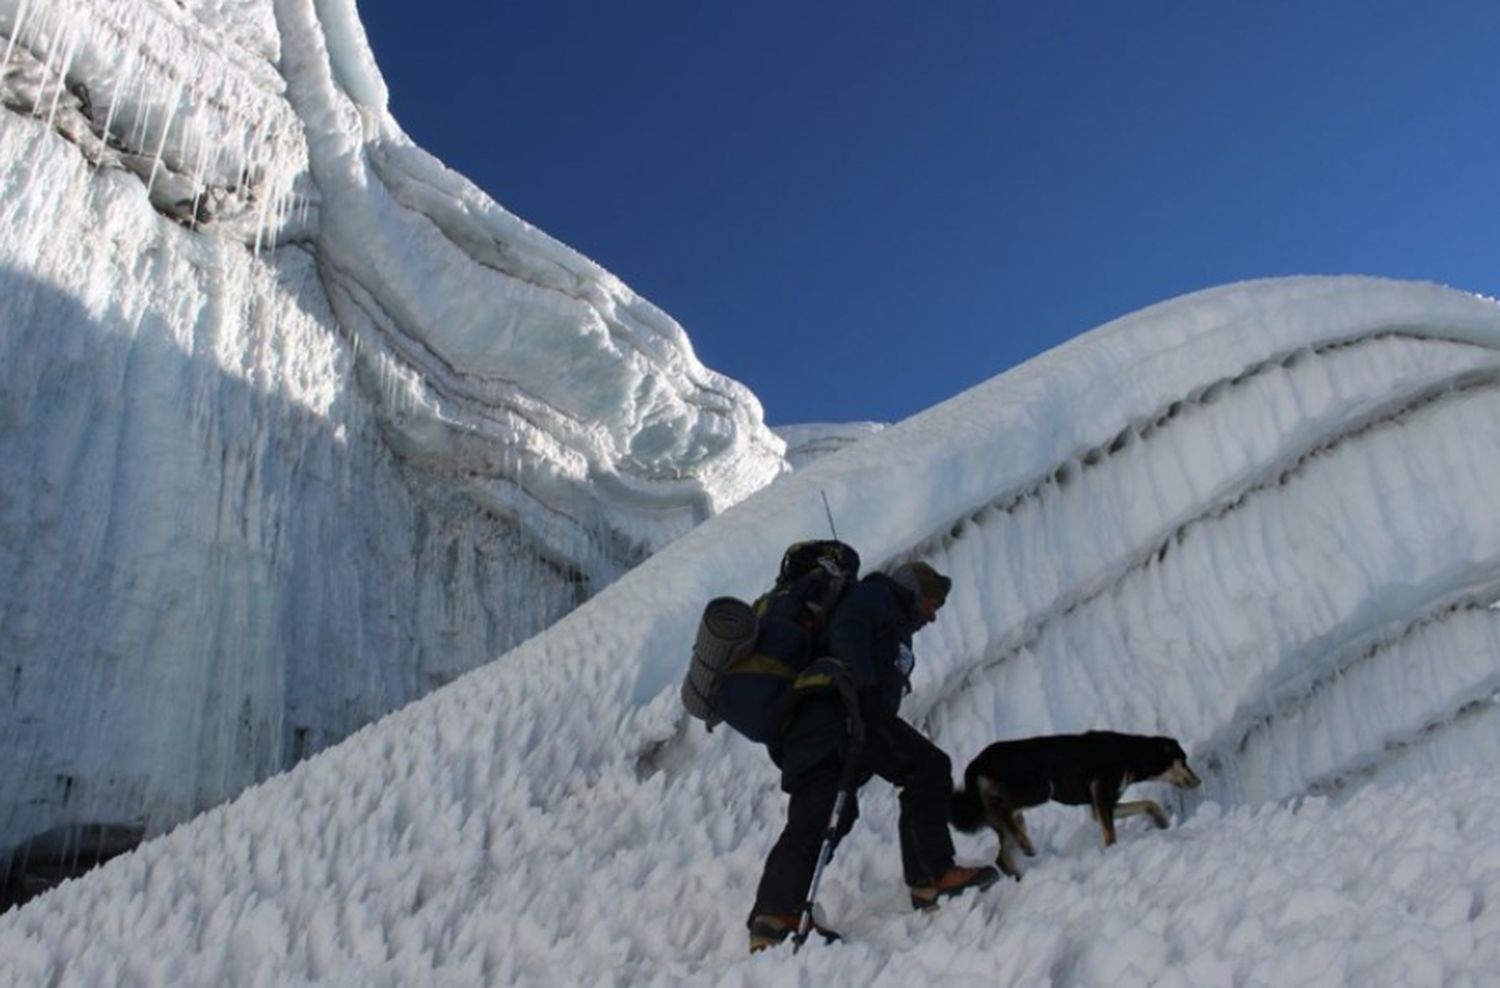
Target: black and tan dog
x: 1090, y: 769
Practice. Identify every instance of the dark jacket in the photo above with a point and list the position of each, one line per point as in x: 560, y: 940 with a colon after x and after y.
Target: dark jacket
x: 866, y: 632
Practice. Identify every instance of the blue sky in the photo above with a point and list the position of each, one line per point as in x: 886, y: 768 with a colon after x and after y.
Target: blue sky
x: 860, y: 209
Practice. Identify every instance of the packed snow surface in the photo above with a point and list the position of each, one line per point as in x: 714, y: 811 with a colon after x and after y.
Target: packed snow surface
x: 1258, y: 518
x: 810, y: 441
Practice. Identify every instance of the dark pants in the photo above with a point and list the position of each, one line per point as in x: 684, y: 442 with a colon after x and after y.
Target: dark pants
x: 896, y: 752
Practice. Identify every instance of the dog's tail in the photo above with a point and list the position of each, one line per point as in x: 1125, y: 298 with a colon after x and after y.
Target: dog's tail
x: 967, y: 812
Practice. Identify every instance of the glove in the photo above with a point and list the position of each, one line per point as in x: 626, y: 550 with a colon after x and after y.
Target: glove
x: 905, y: 661
x: 828, y: 674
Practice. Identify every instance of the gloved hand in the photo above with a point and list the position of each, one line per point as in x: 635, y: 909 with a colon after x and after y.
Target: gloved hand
x: 829, y: 674
x: 905, y: 661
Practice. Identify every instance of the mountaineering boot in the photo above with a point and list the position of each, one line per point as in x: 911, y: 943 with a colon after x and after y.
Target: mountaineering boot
x: 769, y: 929
x: 951, y: 883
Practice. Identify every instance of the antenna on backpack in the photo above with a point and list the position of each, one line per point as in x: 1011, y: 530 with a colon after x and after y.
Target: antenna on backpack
x: 829, y: 512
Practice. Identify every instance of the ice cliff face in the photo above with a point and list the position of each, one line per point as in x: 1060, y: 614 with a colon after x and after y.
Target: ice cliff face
x: 296, y: 424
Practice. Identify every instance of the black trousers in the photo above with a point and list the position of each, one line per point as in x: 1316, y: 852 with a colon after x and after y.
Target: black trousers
x: 898, y: 753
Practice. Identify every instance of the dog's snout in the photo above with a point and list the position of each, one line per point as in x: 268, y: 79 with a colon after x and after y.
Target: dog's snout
x: 1181, y: 775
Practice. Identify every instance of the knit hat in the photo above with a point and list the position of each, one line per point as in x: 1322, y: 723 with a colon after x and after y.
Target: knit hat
x: 923, y: 581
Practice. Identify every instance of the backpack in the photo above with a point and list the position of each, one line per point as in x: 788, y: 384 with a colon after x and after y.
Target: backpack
x: 746, y: 656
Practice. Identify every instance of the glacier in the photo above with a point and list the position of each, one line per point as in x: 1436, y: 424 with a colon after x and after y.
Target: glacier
x: 296, y: 423
x: 1256, y: 518
x: 298, y: 426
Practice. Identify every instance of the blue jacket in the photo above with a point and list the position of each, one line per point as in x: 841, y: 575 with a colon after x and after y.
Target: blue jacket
x: 866, y: 633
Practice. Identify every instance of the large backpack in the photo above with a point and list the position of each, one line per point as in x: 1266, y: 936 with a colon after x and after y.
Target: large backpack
x: 746, y: 656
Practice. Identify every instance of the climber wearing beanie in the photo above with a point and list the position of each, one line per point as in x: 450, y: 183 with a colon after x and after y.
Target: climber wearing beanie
x: 870, y: 636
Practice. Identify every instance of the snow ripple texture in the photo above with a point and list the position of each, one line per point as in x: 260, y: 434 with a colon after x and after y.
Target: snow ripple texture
x: 1257, y: 518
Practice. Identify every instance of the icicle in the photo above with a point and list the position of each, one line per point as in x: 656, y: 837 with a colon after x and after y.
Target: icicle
x: 199, y: 146
x: 166, y: 127
x: 64, y: 64
x: 15, y: 33
x: 139, y: 137
x: 274, y: 169
x: 132, y: 58
x: 263, y: 212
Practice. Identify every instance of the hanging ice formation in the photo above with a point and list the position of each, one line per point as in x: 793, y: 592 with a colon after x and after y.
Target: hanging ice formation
x: 298, y: 424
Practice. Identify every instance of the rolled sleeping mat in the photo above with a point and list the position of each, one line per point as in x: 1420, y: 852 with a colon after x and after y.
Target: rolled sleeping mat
x: 726, y: 632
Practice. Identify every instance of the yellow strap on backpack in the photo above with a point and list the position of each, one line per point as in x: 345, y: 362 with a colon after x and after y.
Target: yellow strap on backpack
x: 760, y: 664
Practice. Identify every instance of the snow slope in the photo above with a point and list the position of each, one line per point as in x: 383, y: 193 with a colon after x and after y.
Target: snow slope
x: 1258, y: 518
x: 296, y: 424
x: 812, y: 440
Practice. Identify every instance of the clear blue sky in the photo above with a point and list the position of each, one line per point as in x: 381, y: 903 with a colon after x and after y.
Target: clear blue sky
x: 861, y: 208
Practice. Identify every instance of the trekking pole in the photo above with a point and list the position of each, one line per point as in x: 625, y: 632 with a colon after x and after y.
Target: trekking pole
x: 830, y: 837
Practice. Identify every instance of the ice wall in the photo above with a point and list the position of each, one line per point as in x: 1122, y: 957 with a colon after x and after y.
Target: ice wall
x: 1284, y: 553
x: 295, y: 424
